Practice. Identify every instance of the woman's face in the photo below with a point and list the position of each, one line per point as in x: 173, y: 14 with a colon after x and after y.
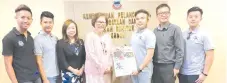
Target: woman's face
x: 71, y: 30
x: 100, y: 24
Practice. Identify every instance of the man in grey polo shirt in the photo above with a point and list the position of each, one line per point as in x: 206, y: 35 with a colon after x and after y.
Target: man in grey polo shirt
x: 45, y: 43
x: 199, y: 50
x: 143, y: 44
x: 169, y: 51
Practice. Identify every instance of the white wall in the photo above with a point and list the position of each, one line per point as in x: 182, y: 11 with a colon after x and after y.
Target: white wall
x: 214, y: 20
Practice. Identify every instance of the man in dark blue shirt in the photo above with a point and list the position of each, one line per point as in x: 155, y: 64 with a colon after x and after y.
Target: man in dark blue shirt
x: 18, y: 46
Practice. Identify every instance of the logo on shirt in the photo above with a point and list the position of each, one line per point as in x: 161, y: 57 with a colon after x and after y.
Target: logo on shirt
x: 20, y: 43
x: 195, y: 38
x: 140, y: 37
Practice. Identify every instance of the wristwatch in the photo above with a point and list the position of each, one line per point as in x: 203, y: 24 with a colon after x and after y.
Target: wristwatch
x: 204, y: 74
x: 139, y: 70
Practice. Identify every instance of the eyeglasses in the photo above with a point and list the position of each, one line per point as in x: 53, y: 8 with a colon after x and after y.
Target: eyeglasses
x: 100, y: 22
x: 189, y: 35
x: 163, y: 13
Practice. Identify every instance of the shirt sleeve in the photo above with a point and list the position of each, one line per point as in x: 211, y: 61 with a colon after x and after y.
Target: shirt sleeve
x: 38, y: 47
x: 61, y: 56
x: 208, y: 44
x: 8, y: 47
x: 179, y: 44
x: 83, y: 52
x: 150, y: 40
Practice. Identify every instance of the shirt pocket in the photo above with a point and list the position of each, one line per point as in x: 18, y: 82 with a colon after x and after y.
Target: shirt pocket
x: 47, y: 47
x: 195, y: 61
x: 197, y: 40
x: 170, y: 40
x: 193, y: 58
x: 139, y: 41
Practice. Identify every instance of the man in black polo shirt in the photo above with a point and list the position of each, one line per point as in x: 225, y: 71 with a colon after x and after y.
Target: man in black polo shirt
x: 18, y: 46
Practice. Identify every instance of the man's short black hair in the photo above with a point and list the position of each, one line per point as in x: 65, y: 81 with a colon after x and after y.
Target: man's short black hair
x: 23, y: 7
x: 142, y: 11
x: 161, y: 6
x: 47, y: 14
x: 195, y: 8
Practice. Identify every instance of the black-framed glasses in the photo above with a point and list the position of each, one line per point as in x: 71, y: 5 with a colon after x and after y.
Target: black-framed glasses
x: 163, y: 13
x: 189, y: 35
x: 100, y: 22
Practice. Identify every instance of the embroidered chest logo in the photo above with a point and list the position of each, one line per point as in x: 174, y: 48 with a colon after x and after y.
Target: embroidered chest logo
x: 21, y: 43
x: 195, y: 38
x: 141, y: 37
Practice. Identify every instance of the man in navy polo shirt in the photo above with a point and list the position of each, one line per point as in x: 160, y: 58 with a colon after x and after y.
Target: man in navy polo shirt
x: 18, y: 46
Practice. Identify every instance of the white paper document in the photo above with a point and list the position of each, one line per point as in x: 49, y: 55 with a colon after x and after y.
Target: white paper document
x: 124, y: 61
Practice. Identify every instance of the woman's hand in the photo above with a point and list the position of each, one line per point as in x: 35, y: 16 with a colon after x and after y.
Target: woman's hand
x: 108, y: 70
x: 77, y: 72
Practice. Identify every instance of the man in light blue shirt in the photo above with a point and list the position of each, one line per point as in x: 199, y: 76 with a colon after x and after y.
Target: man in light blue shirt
x: 199, y: 50
x: 45, y: 43
x: 143, y: 43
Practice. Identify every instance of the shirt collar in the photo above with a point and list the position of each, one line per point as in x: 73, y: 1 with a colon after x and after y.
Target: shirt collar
x: 18, y: 33
x: 140, y: 30
x: 194, y: 31
x: 44, y: 33
x: 164, y: 27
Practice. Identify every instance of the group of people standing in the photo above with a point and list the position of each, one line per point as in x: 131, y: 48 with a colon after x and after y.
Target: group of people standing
x: 161, y: 55
x: 167, y: 52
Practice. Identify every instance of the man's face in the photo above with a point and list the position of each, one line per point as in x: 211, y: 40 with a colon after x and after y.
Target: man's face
x: 24, y: 19
x: 194, y: 18
x: 47, y: 24
x: 141, y: 20
x: 163, y: 14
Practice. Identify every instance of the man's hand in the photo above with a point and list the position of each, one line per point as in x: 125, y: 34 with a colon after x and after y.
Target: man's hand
x: 200, y: 79
x: 175, y: 71
x: 135, y: 73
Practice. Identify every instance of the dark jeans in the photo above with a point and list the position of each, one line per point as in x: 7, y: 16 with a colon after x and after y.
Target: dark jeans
x: 35, y: 81
x: 55, y: 79
x: 187, y: 78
